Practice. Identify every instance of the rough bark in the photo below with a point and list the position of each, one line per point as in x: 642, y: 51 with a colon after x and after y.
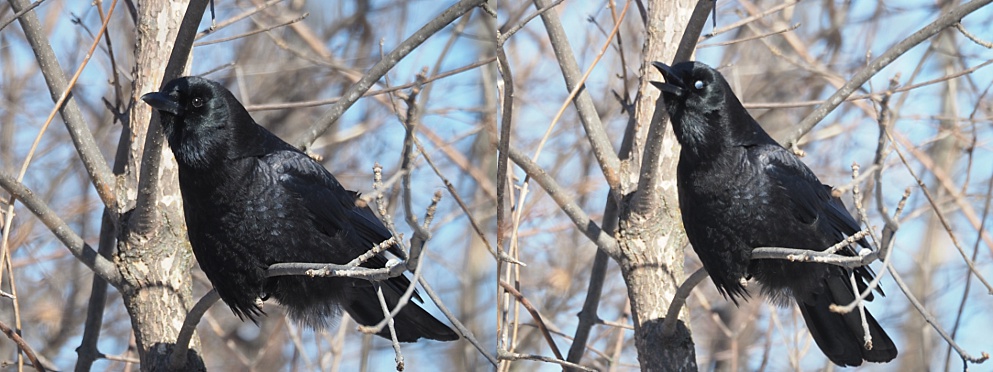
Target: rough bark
x: 650, y: 234
x: 153, y: 253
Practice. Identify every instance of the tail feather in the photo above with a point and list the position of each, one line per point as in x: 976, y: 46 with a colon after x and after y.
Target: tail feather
x: 840, y: 336
x: 411, y: 323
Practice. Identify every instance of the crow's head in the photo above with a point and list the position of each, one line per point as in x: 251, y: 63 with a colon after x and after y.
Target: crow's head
x: 696, y: 97
x: 704, y: 111
x: 199, y: 118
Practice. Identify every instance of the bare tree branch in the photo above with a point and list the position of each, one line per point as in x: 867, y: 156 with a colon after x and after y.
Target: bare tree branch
x: 508, y: 355
x: 571, y: 209
x: 178, y: 358
x: 253, y: 32
x: 100, y: 265
x: 8, y: 21
x: 455, y: 321
x: 602, y: 148
x: 535, y: 315
x: 23, y: 345
x: 355, y: 91
x: 944, y: 21
x: 87, y: 350
x: 934, y: 322
x: 86, y: 146
x: 679, y: 300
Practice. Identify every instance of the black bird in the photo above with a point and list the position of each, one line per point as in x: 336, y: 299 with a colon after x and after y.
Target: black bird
x: 252, y: 200
x: 739, y: 190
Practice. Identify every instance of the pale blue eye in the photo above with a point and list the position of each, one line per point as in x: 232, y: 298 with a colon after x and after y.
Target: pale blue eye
x: 698, y: 84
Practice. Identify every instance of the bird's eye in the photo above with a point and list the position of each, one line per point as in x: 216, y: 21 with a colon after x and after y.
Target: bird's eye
x: 197, y: 102
x: 698, y: 84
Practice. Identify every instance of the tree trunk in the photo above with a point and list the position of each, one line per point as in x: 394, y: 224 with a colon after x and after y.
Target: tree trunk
x: 153, y: 252
x: 650, y: 234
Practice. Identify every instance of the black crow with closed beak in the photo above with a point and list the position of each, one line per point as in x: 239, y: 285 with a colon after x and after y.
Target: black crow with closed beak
x: 739, y: 190
x: 252, y: 200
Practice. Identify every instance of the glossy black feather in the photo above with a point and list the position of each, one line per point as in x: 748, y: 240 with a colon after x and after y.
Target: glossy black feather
x: 251, y: 200
x: 739, y: 189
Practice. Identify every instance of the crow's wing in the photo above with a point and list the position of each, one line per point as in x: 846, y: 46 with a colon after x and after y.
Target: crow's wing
x: 368, y: 224
x: 814, y: 203
x: 812, y: 199
x: 334, y: 208
x: 331, y: 204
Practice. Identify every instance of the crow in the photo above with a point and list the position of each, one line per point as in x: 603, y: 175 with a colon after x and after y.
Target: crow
x: 252, y: 200
x: 739, y: 190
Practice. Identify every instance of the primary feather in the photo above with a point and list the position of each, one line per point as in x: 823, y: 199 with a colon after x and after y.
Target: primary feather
x: 252, y: 200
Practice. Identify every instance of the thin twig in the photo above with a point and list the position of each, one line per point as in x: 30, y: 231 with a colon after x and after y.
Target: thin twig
x: 602, y: 148
x: 219, y: 26
x: 886, y: 249
x: 253, y: 32
x: 942, y: 219
x: 944, y: 21
x: 465, y: 210
x: 288, y: 105
x: 100, y: 265
x: 466, y: 333
x: 8, y: 21
x: 745, y: 21
x: 377, y: 71
x: 866, y: 335
x: 968, y: 278
x: 123, y: 358
x: 379, y: 189
x: 503, y: 177
x: 579, y: 85
x: 509, y: 355
x: 404, y: 299
x: 934, y: 322
x: 83, y: 140
x: 314, y: 270
x: 505, y: 34
x: 376, y: 250
x: 873, y: 96
x: 388, y: 318
x: 23, y: 346
x: 750, y: 38
x: 961, y: 28
x: 421, y: 235
x: 535, y: 315
x: 569, y: 206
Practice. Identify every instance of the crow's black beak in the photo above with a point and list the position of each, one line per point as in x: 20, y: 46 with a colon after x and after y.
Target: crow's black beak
x: 162, y: 102
x: 673, y: 84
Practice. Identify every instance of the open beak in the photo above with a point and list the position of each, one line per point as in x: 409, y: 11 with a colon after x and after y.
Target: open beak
x: 673, y: 84
x: 162, y: 102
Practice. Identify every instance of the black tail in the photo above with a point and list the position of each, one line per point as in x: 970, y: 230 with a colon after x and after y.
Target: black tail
x: 840, y: 336
x: 411, y: 323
